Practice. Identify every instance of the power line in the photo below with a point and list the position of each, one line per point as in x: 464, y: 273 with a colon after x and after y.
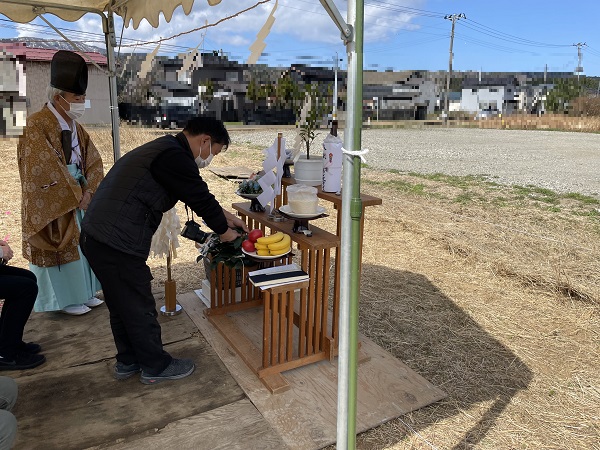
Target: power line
x: 507, y: 37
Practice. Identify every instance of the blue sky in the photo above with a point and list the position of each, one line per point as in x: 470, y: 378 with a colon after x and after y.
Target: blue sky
x: 504, y: 35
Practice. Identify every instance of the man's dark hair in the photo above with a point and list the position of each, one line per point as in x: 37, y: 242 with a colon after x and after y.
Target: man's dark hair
x: 211, y: 126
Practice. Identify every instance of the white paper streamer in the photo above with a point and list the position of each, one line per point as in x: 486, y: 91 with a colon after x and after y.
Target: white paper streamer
x: 270, y: 182
x: 166, y: 236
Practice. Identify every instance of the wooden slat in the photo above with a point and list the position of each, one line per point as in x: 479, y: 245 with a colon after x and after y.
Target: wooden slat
x: 274, y: 328
x: 319, y: 300
x: 266, y: 328
x: 336, y: 300
x: 303, y: 302
x: 325, y: 304
x: 310, y: 313
x: 290, y: 324
x: 289, y: 365
x: 282, y: 339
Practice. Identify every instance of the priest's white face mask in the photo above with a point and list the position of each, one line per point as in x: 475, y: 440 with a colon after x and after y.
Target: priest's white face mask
x: 200, y: 161
x: 76, y: 110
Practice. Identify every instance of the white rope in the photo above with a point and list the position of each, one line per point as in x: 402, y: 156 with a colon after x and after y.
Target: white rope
x: 360, y: 153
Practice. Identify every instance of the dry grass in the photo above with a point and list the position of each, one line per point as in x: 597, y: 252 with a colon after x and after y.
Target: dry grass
x: 546, y: 122
x: 492, y: 296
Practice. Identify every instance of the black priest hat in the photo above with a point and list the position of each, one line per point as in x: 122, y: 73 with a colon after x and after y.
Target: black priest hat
x: 69, y: 72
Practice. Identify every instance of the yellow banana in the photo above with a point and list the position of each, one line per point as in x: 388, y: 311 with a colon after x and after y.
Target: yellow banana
x: 280, y: 251
x: 260, y: 246
x: 270, y: 239
x: 263, y: 252
x: 285, y: 242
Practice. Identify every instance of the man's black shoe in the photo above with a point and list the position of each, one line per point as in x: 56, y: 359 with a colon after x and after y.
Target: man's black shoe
x: 30, y: 347
x: 176, y: 370
x: 21, y: 362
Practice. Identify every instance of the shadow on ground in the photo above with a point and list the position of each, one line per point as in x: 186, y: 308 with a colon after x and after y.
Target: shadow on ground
x: 409, y: 316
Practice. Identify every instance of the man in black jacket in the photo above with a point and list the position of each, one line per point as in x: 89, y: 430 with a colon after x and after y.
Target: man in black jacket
x: 117, y: 232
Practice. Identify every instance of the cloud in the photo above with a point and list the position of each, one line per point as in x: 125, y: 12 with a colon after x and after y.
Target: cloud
x: 303, y: 21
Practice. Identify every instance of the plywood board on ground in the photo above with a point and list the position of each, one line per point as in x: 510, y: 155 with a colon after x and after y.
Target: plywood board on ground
x: 71, y: 340
x: 305, y: 415
x: 73, y: 402
x: 234, y: 426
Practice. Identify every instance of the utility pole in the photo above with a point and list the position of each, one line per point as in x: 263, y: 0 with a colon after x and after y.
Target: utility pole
x: 579, y: 67
x: 453, y: 18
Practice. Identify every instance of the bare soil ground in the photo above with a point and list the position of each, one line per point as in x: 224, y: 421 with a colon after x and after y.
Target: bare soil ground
x: 491, y: 293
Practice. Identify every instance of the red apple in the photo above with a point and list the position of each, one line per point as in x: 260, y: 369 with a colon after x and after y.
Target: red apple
x: 254, y: 235
x: 248, y: 245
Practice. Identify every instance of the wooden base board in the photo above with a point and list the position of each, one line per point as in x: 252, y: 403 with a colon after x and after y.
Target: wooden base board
x: 237, y: 425
x: 305, y: 415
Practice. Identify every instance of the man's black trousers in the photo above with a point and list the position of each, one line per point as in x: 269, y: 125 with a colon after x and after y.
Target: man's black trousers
x: 18, y: 288
x: 128, y: 295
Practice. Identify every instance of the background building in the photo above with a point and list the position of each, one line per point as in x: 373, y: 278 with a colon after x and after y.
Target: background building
x: 35, y: 63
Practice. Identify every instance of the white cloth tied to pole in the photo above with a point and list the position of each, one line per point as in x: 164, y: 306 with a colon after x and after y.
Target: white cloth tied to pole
x: 270, y: 182
x: 360, y: 153
x: 166, y: 237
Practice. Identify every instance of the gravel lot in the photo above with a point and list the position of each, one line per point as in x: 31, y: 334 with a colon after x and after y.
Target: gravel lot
x: 561, y: 161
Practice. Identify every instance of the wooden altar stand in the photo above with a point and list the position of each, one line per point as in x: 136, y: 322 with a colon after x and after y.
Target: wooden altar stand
x: 295, y: 326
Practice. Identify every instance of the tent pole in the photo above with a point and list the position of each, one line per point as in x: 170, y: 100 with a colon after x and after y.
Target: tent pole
x: 350, y: 237
x: 108, y: 26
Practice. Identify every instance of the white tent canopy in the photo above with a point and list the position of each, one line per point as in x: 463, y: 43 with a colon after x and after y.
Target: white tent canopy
x: 24, y: 11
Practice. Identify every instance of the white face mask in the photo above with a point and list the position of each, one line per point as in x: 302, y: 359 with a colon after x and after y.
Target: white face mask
x: 201, y: 162
x: 76, y: 110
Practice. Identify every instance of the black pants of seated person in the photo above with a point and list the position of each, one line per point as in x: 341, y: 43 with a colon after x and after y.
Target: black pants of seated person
x: 18, y: 288
x: 128, y: 295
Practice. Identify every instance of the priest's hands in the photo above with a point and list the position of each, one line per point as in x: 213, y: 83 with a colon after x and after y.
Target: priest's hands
x: 85, y: 201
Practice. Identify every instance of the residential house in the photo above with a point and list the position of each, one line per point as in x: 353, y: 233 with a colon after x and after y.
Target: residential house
x: 489, y: 94
x: 35, y: 63
x: 399, y: 95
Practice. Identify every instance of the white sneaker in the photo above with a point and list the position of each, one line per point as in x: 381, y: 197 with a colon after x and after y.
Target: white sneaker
x: 76, y: 310
x: 93, y: 302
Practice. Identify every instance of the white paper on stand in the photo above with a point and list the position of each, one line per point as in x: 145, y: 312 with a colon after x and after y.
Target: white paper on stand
x: 270, y: 182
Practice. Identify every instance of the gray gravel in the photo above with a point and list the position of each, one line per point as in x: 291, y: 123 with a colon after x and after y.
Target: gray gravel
x: 561, y: 161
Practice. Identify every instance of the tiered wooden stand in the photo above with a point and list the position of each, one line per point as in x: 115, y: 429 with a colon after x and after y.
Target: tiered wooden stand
x: 295, y: 328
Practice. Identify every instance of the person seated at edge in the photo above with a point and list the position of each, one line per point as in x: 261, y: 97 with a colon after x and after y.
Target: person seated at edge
x: 60, y: 169
x: 8, y: 422
x: 18, y: 288
x: 117, y: 232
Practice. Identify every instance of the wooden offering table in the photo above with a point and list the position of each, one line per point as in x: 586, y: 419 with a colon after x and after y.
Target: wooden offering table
x: 295, y: 328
